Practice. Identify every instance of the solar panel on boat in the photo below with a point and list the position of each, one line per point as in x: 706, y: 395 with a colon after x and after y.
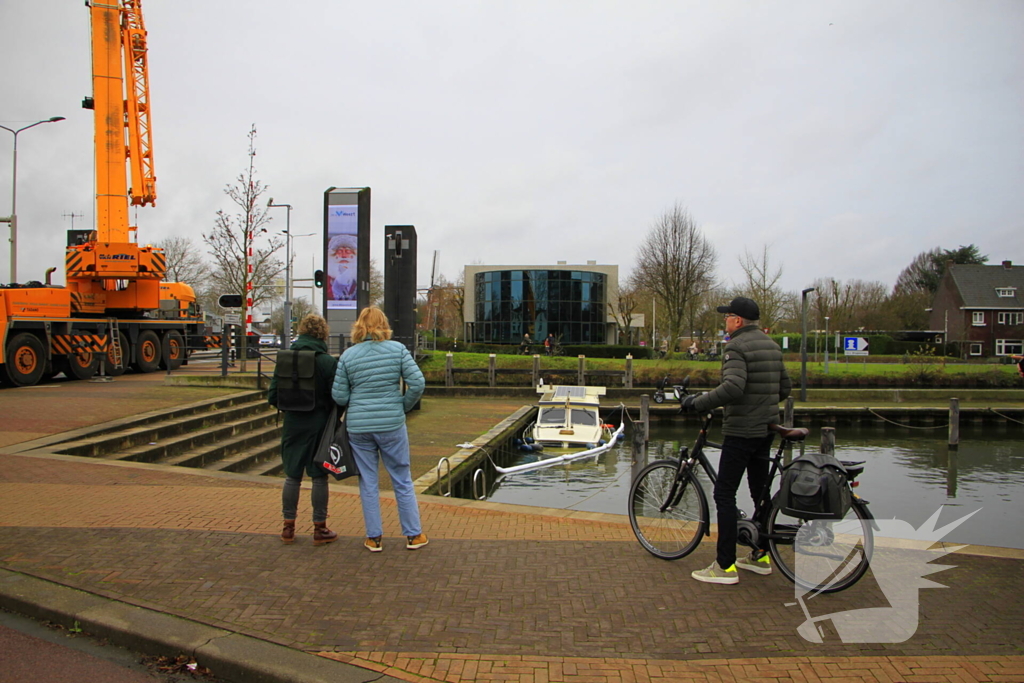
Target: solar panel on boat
x: 570, y: 392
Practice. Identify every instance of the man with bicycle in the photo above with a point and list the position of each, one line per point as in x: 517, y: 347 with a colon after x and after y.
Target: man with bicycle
x: 754, y: 380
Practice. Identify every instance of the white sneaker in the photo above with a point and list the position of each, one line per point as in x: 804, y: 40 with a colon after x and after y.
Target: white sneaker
x: 715, y: 574
x: 762, y: 565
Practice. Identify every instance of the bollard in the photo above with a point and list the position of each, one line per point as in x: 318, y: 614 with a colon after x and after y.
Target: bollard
x: 536, y: 369
x: 582, y: 381
x: 449, y: 370
x: 954, y: 423
x: 828, y: 441
x: 627, y: 379
x: 491, y: 371
x: 787, y: 415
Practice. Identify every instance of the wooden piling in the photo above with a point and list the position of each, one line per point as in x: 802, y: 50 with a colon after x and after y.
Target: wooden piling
x: 449, y: 370
x: 828, y: 441
x: 954, y: 423
x: 640, y: 435
x: 536, y: 369
x: 491, y: 371
x: 627, y: 379
x: 581, y: 372
x: 787, y: 415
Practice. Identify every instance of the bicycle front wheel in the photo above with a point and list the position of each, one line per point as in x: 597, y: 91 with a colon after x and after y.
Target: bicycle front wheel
x: 822, y: 555
x: 674, y: 531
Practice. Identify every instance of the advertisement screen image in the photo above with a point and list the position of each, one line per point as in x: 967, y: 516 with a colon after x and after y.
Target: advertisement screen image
x: 342, y: 249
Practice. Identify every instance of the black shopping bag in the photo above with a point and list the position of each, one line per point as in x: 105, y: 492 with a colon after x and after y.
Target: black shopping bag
x: 333, y: 453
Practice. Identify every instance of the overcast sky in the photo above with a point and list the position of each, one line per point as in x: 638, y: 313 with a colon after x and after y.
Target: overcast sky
x: 850, y: 136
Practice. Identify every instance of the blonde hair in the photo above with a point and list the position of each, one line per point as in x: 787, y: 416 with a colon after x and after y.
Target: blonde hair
x: 372, y: 322
x: 315, y: 326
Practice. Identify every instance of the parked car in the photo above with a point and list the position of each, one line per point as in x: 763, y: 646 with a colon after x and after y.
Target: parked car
x: 269, y: 341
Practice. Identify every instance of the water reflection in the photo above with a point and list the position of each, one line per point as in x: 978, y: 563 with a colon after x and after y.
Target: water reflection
x: 908, y: 475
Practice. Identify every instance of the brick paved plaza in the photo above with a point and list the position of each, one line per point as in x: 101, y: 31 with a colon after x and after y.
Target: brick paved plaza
x: 501, y: 592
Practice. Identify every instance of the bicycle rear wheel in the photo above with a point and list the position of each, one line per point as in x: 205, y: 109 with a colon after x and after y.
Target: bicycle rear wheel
x: 822, y: 555
x: 676, y: 531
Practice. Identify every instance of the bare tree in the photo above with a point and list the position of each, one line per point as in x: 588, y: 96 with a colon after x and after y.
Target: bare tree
x: 185, y: 262
x: 762, y: 285
x: 376, y: 285
x: 301, y: 307
x: 677, y: 263
x: 624, y: 308
x: 233, y: 242
x: 850, y: 305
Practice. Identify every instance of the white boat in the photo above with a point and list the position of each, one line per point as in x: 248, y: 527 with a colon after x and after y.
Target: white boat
x: 569, y: 419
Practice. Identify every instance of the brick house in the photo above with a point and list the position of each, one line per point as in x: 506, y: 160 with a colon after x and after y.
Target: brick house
x: 981, y: 308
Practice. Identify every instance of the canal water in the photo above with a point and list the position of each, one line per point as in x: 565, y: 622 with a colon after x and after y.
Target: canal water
x: 909, y: 474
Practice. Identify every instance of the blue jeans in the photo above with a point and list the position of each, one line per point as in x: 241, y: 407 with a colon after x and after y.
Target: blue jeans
x: 393, y: 448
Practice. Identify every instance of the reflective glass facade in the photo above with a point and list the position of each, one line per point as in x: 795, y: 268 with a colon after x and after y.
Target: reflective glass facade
x: 511, y: 303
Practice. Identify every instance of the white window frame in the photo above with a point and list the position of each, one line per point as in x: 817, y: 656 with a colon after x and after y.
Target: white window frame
x: 1006, y: 347
x: 1006, y: 291
x: 1011, y: 317
x: 978, y: 318
x: 975, y: 349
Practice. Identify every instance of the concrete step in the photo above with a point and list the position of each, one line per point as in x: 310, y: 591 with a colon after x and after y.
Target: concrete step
x: 207, y: 445
x: 268, y: 468
x: 269, y: 451
x: 134, y: 436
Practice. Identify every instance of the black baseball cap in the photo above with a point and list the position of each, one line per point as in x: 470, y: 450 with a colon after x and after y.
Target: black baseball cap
x: 743, y: 307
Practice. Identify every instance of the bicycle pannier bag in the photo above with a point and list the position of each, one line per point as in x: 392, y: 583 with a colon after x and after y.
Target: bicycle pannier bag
x: 814, y: 486
x: 296, y: 380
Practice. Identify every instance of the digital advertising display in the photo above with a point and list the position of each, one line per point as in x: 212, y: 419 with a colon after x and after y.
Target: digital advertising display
x: 342, y: 264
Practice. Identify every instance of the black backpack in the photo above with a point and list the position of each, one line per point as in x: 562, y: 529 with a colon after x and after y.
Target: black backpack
x: 296, y: 380
x: 814, y: 486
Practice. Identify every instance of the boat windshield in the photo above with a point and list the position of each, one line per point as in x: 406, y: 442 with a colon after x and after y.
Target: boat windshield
x: 584, y: 417
x: 552, y: 416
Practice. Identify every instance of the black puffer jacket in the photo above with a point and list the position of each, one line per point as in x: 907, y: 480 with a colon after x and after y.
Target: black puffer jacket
x: 754, y: 380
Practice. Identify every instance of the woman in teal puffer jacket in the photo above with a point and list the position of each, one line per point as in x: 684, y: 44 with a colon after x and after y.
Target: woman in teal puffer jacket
x: 369, y: 381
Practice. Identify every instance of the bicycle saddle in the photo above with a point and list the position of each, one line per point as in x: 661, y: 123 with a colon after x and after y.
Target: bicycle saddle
x: 790, y: 434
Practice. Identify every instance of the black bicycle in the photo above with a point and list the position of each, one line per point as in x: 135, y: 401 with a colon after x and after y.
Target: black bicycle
x: 670, y: 515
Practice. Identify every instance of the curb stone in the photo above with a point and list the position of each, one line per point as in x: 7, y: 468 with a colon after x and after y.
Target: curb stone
x: 231, y: 656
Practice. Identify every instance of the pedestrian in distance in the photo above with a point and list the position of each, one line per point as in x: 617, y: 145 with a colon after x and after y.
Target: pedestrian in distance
x: 301, y: 431
x: 754, y: 381
x: 524, y: 346
x: 369, y: 381
x: 549, y: 343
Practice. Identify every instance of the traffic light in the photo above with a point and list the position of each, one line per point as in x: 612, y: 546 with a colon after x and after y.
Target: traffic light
x: 318, y: 278
x: 230, y: 301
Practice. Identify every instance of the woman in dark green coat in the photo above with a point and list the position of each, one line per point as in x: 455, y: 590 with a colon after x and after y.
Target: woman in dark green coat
x: 301, y: 431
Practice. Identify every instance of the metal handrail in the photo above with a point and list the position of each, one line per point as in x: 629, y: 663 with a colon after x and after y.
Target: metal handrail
x: 479, y: 475
x: 437, y: 471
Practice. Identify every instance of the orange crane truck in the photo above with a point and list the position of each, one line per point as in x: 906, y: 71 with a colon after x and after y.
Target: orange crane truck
x: 115, y: 307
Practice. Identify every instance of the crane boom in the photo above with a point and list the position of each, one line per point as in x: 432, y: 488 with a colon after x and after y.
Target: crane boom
x: 109, y: 271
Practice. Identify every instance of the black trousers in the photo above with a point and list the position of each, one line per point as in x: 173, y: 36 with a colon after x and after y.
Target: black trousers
x: 739, y: 455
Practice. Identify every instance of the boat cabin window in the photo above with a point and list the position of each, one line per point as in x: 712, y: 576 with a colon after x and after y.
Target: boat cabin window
x: 584, y: 417
x: 554, y: 416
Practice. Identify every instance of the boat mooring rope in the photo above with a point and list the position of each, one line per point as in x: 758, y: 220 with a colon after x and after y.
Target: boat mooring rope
x: 900, y: 424
x: 1005, y: 417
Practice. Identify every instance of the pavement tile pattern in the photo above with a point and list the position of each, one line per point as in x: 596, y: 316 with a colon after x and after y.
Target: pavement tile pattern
x: 497, y: 595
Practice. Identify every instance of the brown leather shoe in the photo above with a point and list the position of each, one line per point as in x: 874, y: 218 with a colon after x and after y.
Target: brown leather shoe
x: 322, y: 535
x: 288, y: 532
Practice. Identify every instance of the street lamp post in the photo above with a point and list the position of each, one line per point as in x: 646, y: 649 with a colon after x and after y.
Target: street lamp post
x: 286, y: 342
x: 13, y: 218
x: 803, y: 345
x: 826, y: 344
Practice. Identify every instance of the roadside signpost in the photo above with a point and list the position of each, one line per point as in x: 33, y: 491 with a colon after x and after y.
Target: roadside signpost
x: 855, y: 346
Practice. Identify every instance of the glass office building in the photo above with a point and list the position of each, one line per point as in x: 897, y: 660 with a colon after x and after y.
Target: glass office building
x: 567, y: 301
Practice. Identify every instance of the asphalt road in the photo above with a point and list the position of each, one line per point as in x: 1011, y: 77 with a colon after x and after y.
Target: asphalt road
x: 31, y: 652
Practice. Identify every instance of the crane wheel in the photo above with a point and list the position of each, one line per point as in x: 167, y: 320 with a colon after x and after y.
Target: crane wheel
x: 174, y: 350
x: 25, y: 360
x: 82, y: 364
x: 148, y: 352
